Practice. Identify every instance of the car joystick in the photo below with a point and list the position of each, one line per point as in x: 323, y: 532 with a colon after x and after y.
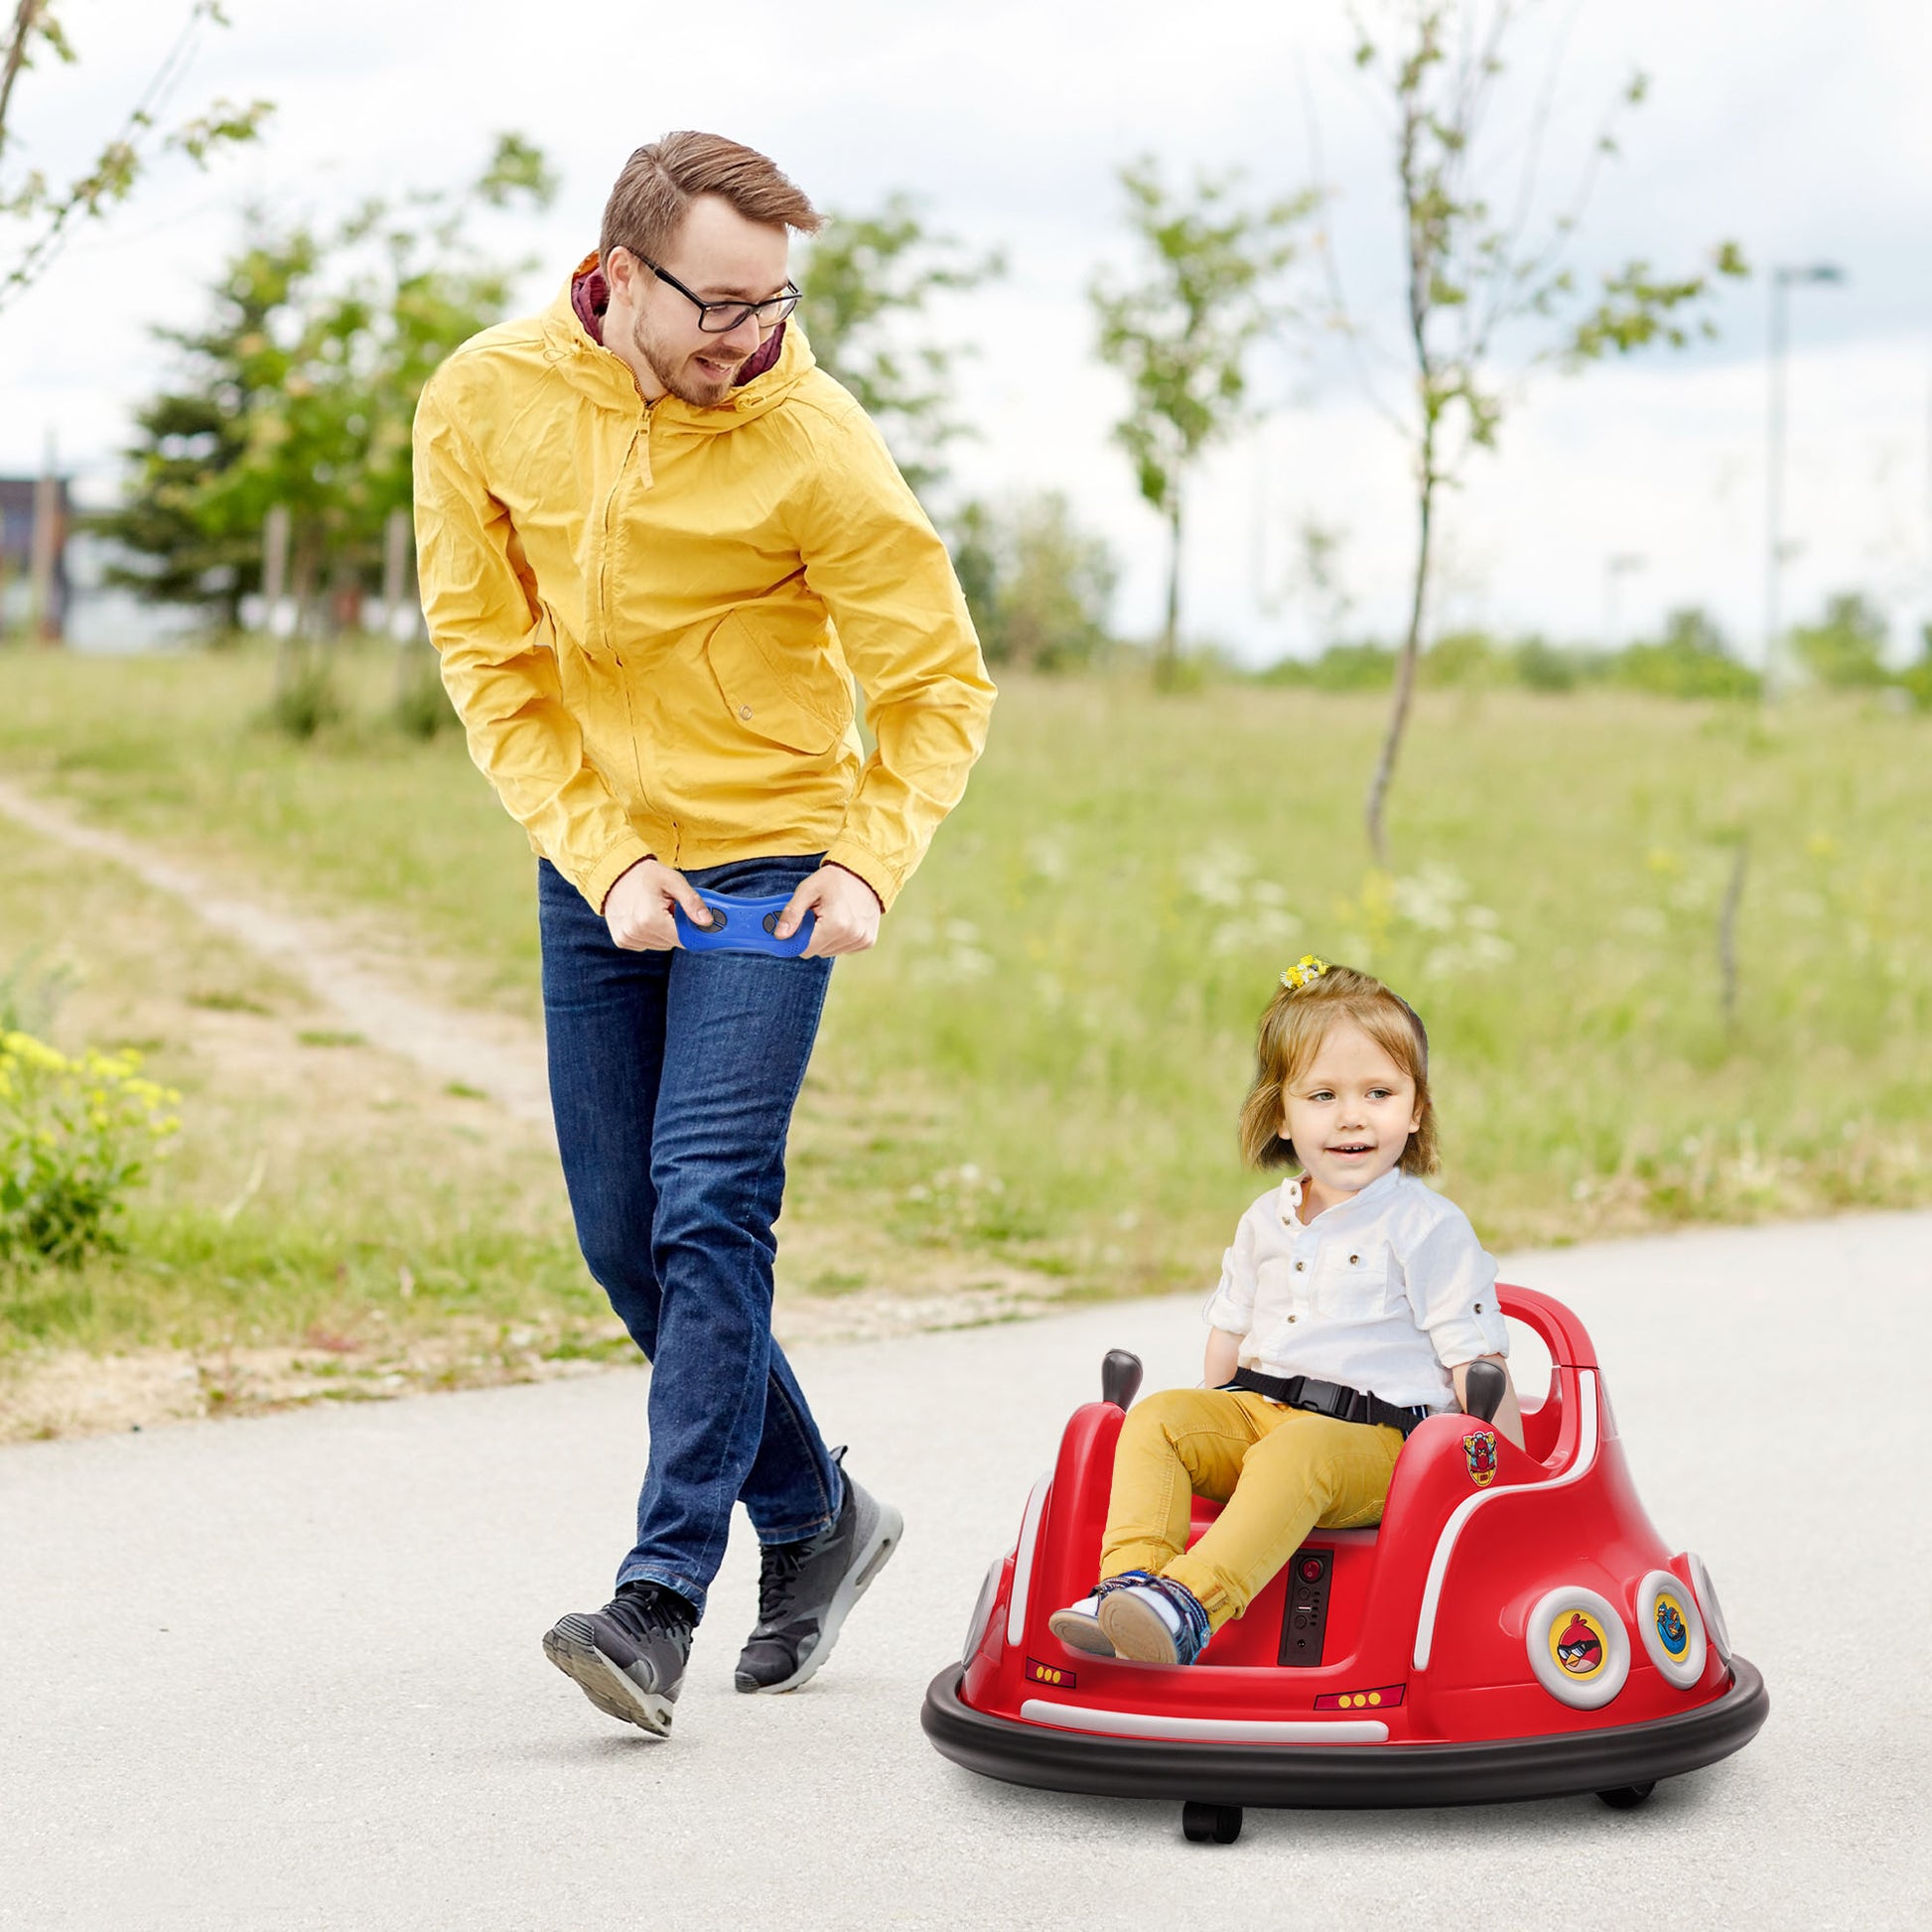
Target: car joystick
x: 1483, y: 1387
x: 1120, y: 1377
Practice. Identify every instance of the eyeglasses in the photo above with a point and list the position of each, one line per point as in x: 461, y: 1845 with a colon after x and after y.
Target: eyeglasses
x: 721, y: 318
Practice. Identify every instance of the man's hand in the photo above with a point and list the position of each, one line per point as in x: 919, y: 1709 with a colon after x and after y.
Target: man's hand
x: 846, y: 907
x: 638, y: 908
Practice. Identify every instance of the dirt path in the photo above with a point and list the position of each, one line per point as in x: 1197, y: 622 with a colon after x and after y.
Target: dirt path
x: 405, y: 1053
x: 490, y: 1053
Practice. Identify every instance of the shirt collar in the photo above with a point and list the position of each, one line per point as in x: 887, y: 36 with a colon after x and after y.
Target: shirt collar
x: 1374, y: 1196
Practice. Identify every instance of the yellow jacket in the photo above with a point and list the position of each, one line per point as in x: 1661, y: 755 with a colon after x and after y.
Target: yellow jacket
x: 649, y: 615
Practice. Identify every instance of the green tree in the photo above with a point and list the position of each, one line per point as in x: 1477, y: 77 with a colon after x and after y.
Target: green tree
x: 1181, y: 334
x: 1039, y: 588
x: 49, y: 210
x: 299, y: 388
x: 1847, y: 646
x: 1487, y: 296
x: 865, y: 286
x: 195, y: 546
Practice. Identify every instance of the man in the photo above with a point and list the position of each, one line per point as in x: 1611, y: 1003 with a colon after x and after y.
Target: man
x: 655, y: 545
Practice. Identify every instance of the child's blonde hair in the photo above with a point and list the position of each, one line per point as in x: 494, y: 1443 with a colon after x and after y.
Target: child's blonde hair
x: 1291, y: 1030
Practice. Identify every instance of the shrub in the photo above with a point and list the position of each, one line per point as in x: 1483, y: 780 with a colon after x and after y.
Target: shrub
x: 1847, y: 646
x: 1367, y: 667
x: 74, y: 1138
x: 1542, y: 666
x: 422, y: 708
x: 1916, y: 679
x: 1464, y: 657
x: 1039, y: 587
x: 305, y: 698
x: 1353, y: 668
x: 1691, y: 661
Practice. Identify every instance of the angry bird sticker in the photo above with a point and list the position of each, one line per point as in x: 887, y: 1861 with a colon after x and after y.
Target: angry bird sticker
x: 1479, y: 1452
x: 1577, y: 1643
x: 1579, y: 1646
x: 1672, y: 1630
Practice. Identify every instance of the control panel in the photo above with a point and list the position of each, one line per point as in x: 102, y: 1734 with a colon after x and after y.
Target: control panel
x: 1310, y: 1572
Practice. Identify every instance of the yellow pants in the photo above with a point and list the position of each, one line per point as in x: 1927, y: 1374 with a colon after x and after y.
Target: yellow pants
x: 1280, y: 1471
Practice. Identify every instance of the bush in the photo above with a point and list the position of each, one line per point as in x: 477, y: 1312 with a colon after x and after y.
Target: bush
x: 1464, y: 657
x: 305, y: 698
x: 1916, y: 679
x: 1039, y: 588
x: 1541, y: 667
x: 1353, y: 668
x: 422, y: 708
x: 74, y: 1138
x: 1691, y: 661
x: 1847, y: 646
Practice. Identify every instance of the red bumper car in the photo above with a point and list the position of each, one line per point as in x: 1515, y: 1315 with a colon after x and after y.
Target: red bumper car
x: 1513, y: 1628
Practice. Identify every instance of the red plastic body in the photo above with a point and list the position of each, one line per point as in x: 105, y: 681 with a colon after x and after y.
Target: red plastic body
x: 1425, y: 1613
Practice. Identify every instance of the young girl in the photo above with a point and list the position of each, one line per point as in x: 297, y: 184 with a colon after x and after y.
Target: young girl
x: 1350, y: 1306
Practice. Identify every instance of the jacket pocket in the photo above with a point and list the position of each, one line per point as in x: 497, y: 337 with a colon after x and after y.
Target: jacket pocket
x: 797, y: 699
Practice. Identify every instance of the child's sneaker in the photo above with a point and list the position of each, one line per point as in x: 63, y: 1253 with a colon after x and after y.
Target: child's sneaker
x: 1078, y: 1625
x: 1155, y: 1622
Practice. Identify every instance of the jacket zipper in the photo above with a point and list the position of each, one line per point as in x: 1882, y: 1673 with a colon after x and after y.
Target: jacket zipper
x: 607, y: 521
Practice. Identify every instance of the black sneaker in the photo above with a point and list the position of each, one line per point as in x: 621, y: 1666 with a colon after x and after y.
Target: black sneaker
x: 629, y: 1657
x: 805, y: 1589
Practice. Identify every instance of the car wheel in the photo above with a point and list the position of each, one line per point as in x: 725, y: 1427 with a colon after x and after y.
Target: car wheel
x: 1210, y: 1824
x: 1627, y: 1797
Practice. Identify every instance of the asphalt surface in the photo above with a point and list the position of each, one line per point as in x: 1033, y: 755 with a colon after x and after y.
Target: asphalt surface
x: 285, y: 1672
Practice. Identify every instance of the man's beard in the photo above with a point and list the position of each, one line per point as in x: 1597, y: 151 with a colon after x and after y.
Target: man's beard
x: 676, y: 375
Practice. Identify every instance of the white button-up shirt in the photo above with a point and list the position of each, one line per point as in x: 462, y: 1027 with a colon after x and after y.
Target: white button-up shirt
x: 1387, y: 1290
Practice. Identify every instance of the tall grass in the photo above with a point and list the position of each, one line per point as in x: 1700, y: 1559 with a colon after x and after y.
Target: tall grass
x: 1042, y: 1063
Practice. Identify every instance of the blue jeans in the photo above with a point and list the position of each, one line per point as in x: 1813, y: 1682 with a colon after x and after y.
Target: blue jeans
x: 672, y: 1077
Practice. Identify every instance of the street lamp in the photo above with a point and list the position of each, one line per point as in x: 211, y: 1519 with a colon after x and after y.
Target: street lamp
x: 1782, y: 280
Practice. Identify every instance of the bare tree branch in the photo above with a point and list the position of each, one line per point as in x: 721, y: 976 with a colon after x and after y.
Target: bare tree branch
x: 120, y: 163
x: 1470, y: 275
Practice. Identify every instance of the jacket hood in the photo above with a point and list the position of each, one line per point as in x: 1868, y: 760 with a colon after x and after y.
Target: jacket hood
x: 573, y: 328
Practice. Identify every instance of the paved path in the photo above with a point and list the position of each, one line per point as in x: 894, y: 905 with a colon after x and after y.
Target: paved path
x: 285, y: 1673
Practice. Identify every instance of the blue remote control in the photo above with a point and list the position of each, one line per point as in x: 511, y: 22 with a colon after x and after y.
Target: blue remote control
x: 743, y: 925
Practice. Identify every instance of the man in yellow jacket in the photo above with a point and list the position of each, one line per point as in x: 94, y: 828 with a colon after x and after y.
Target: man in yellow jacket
x: 656, y: 546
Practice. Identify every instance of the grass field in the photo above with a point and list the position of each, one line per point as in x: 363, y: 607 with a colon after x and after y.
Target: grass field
x: 1037, y: 1071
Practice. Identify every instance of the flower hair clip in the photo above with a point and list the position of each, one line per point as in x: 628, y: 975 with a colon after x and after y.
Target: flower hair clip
x: 1305, y: 972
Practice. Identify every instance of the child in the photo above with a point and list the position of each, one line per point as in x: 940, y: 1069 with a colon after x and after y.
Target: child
x: 1350, y: 1305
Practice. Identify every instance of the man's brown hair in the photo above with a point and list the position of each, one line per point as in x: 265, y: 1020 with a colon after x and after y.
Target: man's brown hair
x: 660, y: 181
x: 1293, y: 1029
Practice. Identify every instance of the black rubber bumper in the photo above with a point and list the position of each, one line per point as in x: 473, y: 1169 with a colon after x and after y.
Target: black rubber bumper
x: 1345, y: 1776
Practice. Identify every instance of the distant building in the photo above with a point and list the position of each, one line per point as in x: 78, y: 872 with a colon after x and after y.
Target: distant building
x: 83, y: 611
x: 21, y: 505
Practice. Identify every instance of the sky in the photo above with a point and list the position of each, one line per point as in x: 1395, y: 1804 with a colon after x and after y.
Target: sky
x: 1794, y: 127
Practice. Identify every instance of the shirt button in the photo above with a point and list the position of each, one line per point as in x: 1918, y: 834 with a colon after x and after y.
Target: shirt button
x: 1354, y: 1261
x: 1291, y: 1318
x: 744, y: 710
x: 1299, y: 1265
